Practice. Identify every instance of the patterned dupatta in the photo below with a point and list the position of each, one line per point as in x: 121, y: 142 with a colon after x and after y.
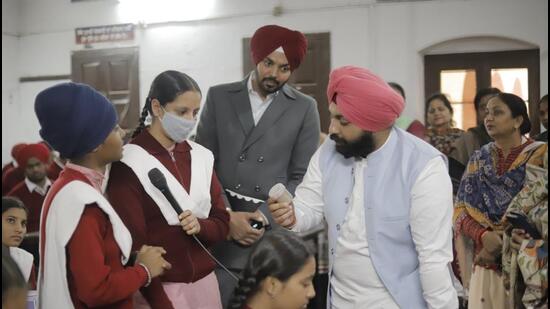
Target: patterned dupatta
x: 485, y: 195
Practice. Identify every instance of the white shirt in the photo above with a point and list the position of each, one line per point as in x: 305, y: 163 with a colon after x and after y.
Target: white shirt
x: 354, y: 281
x: 34, y: 187
x: 257, y: 104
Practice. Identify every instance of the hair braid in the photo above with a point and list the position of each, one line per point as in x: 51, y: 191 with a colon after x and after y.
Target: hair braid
x: 247, y: 286
x: 144, y: 114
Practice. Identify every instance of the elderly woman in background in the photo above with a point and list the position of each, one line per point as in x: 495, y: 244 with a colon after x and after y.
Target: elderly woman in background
x: 439, y: 118
x: 495, y: 175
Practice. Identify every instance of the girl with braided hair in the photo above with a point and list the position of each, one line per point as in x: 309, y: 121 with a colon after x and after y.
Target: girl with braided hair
x: 278, y: 275
x: 173, y: 103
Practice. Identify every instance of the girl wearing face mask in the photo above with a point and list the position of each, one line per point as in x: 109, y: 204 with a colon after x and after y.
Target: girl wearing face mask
x: 173, y: 103
x: 14, y: 228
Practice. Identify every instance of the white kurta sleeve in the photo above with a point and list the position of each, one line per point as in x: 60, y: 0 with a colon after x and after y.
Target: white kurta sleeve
x: 308, y: 200
x: 431, y: 227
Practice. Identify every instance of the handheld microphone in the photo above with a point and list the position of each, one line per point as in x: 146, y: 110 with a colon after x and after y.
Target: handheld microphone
x: 280, y: 194
x: 159, y: 181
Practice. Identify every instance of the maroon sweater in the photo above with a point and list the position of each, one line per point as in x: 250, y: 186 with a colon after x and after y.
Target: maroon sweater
x: 95, y: 274
x: 148, y: 226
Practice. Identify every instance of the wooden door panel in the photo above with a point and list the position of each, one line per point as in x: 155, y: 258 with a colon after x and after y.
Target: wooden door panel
x: 113, y: 72
x: 91, y: 73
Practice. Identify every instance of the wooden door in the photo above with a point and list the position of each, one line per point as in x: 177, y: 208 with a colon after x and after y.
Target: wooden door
x: 115, y: 73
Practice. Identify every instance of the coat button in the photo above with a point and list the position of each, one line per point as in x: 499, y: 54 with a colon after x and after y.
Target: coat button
x: 237, y: 187
x: 332, y: 251
x: 337, y: 227
x: 261, y: 159
x: 257, y: 188
x: 242, y: 157
x: 346, y: 200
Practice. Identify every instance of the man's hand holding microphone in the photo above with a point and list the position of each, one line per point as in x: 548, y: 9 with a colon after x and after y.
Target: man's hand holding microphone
x: 280, y: 206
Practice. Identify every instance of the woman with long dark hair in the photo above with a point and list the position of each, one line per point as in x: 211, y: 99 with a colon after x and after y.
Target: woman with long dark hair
x: 495, y: 175
x: 173, y: 103
x: 14, y: 229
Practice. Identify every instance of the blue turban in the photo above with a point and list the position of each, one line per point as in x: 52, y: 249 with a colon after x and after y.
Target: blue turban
x: 74, y: 118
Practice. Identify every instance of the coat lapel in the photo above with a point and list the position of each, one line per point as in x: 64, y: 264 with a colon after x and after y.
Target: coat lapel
x: 275, y: 110
x: 241, y: 103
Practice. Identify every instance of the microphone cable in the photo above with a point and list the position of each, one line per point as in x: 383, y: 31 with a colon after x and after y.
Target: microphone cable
x: 215, y: 260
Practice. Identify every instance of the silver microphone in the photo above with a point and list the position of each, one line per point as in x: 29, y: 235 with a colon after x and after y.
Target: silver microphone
x: 280, y: 194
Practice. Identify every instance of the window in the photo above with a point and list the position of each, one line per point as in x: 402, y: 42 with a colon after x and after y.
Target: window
x: 459, y: 76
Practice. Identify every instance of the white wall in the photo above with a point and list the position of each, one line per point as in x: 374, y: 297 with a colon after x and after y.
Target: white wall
x: 388, y: 38
x: 10, y: 74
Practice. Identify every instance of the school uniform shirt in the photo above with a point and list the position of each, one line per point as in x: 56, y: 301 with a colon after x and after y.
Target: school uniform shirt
x: 32, y: 196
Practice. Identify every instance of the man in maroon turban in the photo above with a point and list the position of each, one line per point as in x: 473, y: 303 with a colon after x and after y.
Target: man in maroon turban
x: 276, y: 52
x: 34, y: 159
x: 261, y: 132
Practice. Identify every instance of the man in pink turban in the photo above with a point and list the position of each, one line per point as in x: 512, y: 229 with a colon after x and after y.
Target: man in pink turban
x: 387, y: 198
x: 368, y: 103
x: 261, y: 131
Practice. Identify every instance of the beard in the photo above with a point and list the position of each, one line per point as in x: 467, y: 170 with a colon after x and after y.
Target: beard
x: 268, y: 85
x: 359, y: 148
x: 36, y: 177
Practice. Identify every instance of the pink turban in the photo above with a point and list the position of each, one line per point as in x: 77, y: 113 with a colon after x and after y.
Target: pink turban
x: 268, y: 38
x: 363, y: 98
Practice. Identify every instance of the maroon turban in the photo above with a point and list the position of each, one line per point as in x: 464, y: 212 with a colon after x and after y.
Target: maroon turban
x: 364, y: 99
x: 16, y: 148
x: 38, y: 151
x: 268, y: 38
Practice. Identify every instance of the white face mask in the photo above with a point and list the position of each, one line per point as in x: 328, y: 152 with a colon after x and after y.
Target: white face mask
x: 178, y: 129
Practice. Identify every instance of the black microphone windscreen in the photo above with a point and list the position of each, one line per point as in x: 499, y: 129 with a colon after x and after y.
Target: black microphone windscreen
x: 157, y: 178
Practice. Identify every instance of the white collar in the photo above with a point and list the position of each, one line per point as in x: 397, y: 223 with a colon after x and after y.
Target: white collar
x: 34, y: 187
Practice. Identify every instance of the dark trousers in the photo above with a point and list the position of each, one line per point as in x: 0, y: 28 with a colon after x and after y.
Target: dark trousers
x: 227, y: 284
